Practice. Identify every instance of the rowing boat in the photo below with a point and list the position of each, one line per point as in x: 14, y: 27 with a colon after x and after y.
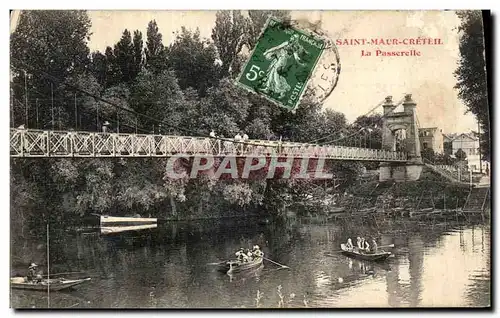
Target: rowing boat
x: 235, y: 266
x: 380, y: 256
x: 52, y: 284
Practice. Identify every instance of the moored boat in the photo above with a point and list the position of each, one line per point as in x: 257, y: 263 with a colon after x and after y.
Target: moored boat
x: 52, y: 284
x: 235, y: 266
x: 108, y: 221
x: 380, y: 256
x: 120, y: 229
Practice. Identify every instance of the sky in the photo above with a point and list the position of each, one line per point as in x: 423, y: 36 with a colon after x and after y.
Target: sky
x: 364, y: 81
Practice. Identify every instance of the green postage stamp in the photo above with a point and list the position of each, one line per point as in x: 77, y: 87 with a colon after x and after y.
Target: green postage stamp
x: 282, y: 63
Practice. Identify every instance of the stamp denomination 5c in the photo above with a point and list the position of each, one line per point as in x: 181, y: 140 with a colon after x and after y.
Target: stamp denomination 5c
x: 281, y: 64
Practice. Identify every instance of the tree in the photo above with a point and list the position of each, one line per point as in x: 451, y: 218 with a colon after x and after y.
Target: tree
x: 98, y: 66
x: 461, y: 155
x: 428, y: 153
x: 444, y: 159
x: 257, y: 20
x: 139, y: 183
x: 157, y: 96
x: 119, y: 118
x: 228, y: 35
x: 448, y: 147
x: 52, y: 41
x: 49, y: 46
x: 224, y: 109
x: 113, y: 69
x: 372, y: 129
x: 124, y: 54
x: 304, y: 126
x: 471, y: 73
x: 154, y: 51
x: 138, y: 59
x: 193, y: 60
x: 258, y: 129
x: 84, y: 106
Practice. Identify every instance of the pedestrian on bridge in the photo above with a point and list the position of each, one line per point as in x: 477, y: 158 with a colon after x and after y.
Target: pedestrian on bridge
x: 245, y: 139
x: 214, y: 143
x: 237, y: 138
x: 105, y: 127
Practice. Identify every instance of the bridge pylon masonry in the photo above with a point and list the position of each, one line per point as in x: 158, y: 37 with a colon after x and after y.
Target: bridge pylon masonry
x: 401, y: 121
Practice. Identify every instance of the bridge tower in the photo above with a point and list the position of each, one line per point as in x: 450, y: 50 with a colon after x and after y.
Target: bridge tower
x: 394, y: 122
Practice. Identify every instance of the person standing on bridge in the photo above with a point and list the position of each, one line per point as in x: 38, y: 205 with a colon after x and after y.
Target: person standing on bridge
x: 237, y: 140
x: 245, y: 139
x: 214, y: 142
x: 105, y: 127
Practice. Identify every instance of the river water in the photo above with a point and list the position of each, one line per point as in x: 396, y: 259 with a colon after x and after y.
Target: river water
x: 441, y: 264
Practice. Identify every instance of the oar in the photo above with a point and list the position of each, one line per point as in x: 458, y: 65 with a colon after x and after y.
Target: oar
x: 382, y: 246
x: 283, y: 266
x: 213, y: 264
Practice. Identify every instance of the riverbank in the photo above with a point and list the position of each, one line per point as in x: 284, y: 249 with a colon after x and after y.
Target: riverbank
x: 430, y: 197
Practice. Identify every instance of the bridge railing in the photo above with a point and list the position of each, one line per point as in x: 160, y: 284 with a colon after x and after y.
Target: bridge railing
x: 43, y: 143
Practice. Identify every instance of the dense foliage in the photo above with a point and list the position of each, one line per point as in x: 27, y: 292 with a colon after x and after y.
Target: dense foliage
x: 184, y: 87
x: 471, y: 73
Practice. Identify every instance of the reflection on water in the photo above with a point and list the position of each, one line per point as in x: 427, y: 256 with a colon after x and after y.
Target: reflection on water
x: 445, y: 265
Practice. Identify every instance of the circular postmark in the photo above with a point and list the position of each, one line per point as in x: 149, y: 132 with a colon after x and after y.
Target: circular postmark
x: 326, y: 74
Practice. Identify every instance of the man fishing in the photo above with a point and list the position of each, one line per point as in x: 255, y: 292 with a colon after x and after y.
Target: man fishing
x: 33, y: 276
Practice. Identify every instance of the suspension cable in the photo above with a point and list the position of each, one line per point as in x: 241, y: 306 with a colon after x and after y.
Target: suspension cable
x: 362, y: 129
x: 190, y: 132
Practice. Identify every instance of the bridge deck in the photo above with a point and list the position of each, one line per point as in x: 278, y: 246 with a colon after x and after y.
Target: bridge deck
x: 44, y: 143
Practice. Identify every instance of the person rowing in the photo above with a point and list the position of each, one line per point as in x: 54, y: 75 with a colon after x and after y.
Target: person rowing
x: 249, y: 255
x: 365, y: 246
x: 241, y: 255
x: 257, y: 252
x: 374, y: 247
x: 359, y: 245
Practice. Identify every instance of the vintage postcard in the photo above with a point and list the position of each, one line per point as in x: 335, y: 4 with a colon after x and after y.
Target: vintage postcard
x: 249, y: 159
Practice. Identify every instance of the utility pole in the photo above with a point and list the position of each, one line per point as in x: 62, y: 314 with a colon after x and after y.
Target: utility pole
x: 26, y: 95
x: 36, y: 108
x: 52, y: 105
x: 76, y: 115
x: 12, y: 106
x: 97, y: 118
x: 479, y: 138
